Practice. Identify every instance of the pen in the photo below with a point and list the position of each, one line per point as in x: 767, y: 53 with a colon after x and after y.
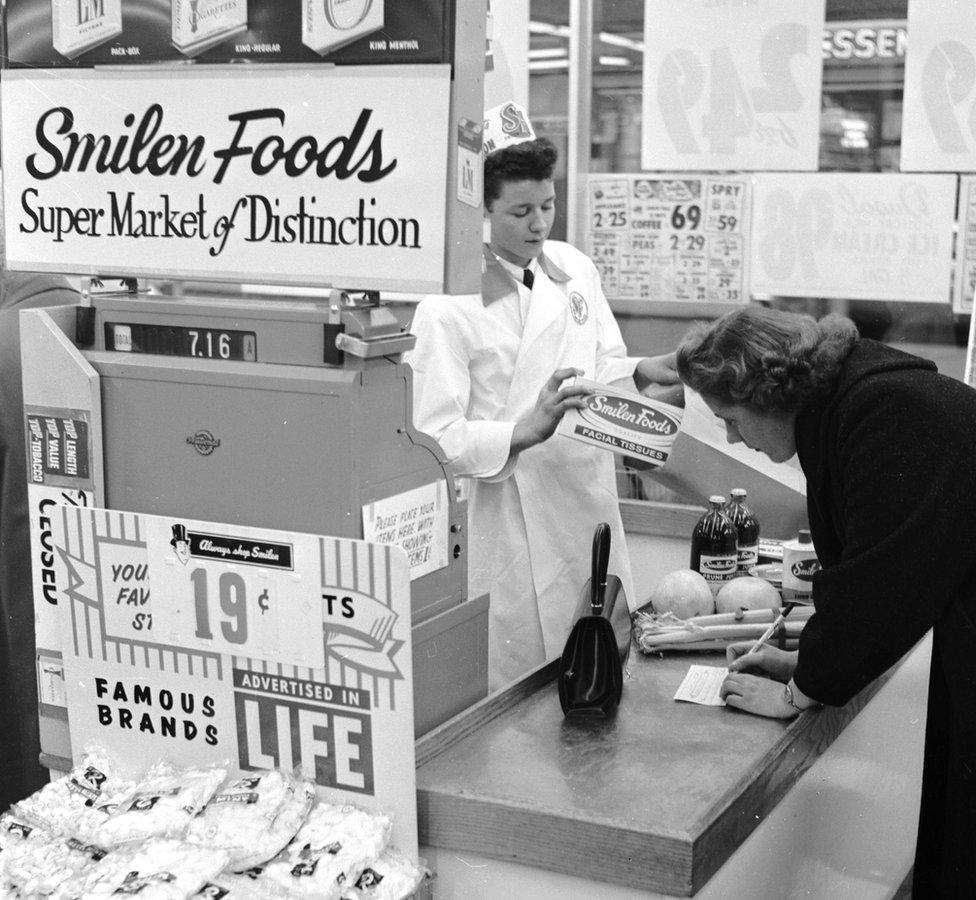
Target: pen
x: 768, y: 633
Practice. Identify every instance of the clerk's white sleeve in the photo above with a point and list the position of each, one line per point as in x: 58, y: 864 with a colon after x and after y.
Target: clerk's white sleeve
x: 612, y: 361
x: 475, y: 448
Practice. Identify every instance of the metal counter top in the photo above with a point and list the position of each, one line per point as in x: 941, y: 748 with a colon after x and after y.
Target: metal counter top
x: 656, y: 798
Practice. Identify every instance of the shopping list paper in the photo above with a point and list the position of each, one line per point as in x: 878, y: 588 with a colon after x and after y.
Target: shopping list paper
x: 702, y: 685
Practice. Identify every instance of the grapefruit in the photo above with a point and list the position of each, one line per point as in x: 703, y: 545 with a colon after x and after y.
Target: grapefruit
x: 747, y: 592
x: 685, y: 593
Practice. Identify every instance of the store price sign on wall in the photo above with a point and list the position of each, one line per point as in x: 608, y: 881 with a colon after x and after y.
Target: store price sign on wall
x: 938, y: 132
x: 964, y: 284
x: 670, y: 237
x: 201, y: 642
x: 730, y: 84
x: 860, y: 236
x: 332, y: 175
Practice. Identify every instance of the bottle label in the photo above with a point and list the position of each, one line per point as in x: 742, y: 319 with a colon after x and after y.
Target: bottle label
x: 805, y: 569
x: 717, y: 570
x: 747, y: 558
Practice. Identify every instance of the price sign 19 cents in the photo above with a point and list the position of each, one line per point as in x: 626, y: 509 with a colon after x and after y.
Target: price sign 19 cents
x: 731, y: 84
x: 241, y: 591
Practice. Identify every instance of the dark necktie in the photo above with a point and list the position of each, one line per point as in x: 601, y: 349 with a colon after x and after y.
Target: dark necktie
x: 527, y: 278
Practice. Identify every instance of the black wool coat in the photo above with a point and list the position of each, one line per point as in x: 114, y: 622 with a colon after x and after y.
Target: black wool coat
x: 890, y: 462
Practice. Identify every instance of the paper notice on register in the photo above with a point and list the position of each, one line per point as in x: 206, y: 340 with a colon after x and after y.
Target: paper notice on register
x: 701, y: 685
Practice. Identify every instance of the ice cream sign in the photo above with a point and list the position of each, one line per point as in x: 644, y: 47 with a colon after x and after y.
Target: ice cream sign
x: 624, y: 422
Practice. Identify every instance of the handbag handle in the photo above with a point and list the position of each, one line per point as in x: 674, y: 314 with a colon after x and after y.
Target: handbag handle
x: 600, y: 562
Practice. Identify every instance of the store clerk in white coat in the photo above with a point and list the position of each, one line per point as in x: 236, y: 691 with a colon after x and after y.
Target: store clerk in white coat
x: 489, y: 386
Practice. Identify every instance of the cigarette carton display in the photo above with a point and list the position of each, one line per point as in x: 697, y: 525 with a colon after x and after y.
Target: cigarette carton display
x: 624, y: 422
x: 330, y: 24
x: 199, y: 25
x: 80, y: 25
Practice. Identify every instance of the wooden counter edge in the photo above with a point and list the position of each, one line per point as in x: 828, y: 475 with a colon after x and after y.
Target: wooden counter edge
x: 558, y: 843
x: 736, y: 815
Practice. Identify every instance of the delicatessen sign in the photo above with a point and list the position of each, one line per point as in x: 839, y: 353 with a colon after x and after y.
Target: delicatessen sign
x: 133, y: 174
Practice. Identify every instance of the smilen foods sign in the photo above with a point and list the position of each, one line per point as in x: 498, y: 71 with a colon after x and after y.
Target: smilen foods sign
x: 330, y: 176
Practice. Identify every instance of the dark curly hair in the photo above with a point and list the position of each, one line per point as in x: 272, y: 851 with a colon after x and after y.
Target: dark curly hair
x: 767, y: 359
x: 528, y: 161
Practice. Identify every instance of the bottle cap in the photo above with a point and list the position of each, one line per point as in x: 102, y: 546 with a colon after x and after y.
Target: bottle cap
x: 716, y: 500
x: 804, y: 536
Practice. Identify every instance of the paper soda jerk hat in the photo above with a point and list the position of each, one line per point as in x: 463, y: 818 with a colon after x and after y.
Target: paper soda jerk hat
x: 505, y: 126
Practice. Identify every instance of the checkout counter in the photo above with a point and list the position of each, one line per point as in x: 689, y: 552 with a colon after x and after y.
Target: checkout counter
x: 670, y: 799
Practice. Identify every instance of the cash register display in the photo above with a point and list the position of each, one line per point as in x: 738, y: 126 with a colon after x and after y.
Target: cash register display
x: 175, y: 340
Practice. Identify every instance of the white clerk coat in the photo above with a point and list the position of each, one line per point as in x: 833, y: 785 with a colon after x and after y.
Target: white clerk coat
x: 479, y: 365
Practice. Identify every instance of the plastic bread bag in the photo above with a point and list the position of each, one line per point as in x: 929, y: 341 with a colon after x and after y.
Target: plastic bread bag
x: 228, y: 886
x: 17, y: 835
x: 78, y: 803
x: 161, y: 805
x: 158, y: 869
x: 40, y: 868
x: 392, y: 876
x: 16, y: 830
x: 330, y: 851
x: 254, y: 817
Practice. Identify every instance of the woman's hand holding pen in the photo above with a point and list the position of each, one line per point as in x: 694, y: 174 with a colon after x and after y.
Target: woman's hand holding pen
x: 770, y: 661
x: 539, y: 424
x: 760, y: 694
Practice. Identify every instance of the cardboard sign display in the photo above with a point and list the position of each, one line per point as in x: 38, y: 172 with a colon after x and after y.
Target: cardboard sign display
x: 964, y: 282
x: 206, y: 174
x: 670, y: 237
x: 416, y: 521
x: 940, y: 88
x: 862, y: 236
x: 178, y: 644
x: 44, y: 503
x: 731, y: 85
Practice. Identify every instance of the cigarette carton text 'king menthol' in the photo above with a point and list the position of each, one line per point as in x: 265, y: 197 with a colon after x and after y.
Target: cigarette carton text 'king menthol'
x: 330, y: 24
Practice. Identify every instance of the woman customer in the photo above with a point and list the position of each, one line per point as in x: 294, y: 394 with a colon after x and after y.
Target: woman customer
x: 887, y: 446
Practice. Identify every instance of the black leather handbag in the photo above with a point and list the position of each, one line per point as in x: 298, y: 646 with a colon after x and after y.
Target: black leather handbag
x: 590, y: 678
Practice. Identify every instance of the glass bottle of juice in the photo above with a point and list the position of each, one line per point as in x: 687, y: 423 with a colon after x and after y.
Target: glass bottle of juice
x: 713, y: 545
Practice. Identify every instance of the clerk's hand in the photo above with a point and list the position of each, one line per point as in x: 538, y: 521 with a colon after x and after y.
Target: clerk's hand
x: 657, y: 377
x: 753, y: 694
x: 551, y: 405
x: 771, y: 661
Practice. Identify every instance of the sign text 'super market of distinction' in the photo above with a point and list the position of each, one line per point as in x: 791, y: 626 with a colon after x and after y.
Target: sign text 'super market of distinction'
x: 258, y: 219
